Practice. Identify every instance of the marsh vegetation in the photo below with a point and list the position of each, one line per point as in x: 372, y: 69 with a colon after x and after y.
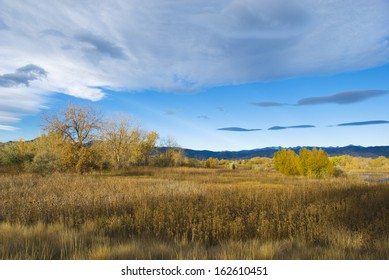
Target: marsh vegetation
x: 192, y: 213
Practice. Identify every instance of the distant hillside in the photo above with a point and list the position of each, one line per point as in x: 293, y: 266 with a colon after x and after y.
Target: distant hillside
x: 356, y: 151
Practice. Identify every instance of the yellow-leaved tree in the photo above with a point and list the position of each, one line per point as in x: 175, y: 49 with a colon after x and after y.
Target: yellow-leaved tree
x: 313, y: 162
x: 77, y: 127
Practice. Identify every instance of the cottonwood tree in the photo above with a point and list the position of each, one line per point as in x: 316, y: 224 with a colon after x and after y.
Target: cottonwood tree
x: 286, y: 162
x: 125, y: 144
x: 308, y: 163
x: 173, y: 154
x: 118, y: 139
x: 147, y: 146
x: 322, y: 165
x: 78, y: 125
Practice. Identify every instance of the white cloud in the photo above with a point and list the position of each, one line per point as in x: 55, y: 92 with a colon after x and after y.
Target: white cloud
x: 181, y: 45
x: 8, y: 128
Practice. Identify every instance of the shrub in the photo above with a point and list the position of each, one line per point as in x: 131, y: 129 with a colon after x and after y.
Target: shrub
x: 233, y: 165
x: 86, y: 160
x: 14, y: 158
x: 308, y: 163
x: 286, y: 162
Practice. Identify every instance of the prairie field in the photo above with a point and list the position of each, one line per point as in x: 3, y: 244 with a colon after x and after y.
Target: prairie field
x: 192, y: 213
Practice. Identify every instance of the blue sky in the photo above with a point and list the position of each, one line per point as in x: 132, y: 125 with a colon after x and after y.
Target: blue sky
x: 217, y: 75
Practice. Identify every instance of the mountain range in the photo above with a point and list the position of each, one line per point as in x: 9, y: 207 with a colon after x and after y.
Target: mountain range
x: 351, y: 150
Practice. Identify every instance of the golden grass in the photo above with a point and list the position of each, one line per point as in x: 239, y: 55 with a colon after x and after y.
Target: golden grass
x: 187, y: 213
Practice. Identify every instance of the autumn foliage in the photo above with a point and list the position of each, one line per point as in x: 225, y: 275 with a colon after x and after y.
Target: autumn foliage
x: 313, y: 162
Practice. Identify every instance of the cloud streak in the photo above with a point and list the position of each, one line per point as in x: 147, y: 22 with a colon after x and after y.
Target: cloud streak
x: 268, y: 104
x: 8, y: 128
x: 304, y: 126
x: 3, y: 25
x: 170, y: 112
x: 101, y: 46
x: 341, y: 98
x: 290, y: 127
x: 375, y: 122
x: 347, y: 97
x: 239, y: 129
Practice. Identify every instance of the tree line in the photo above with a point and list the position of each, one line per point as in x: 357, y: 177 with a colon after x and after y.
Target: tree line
x: 79, y: 139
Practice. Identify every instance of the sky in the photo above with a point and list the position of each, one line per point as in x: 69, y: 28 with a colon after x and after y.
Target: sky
x: 210, y: 74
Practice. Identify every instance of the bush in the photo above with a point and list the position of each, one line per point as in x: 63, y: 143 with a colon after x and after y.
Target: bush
x: 308, y: 163
x: 86, y: 160
x: 287, y: 162
x: 13, y: 158
x: 233, y: 165
x: 192, y: 162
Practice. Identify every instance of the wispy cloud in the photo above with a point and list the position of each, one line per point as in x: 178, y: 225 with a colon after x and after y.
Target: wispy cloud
x: 204, y: 117
x: 289, y: 127
x: 8, y: 128
x: 3, y: 25
x: 347, y: 97
x: 100, y: 45
x: 268, y: 104
x: 170, y: 112
x: 52, y: 32
x: 239, y: 129
x: 8, y: 119
x: 15, y: 104
x: 364, y: 123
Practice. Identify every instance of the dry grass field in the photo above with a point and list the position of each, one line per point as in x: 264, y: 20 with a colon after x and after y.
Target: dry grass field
x: 192, y: 213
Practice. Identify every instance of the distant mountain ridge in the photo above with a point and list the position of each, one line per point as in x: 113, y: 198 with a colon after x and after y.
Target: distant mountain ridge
x: 351, y: 150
